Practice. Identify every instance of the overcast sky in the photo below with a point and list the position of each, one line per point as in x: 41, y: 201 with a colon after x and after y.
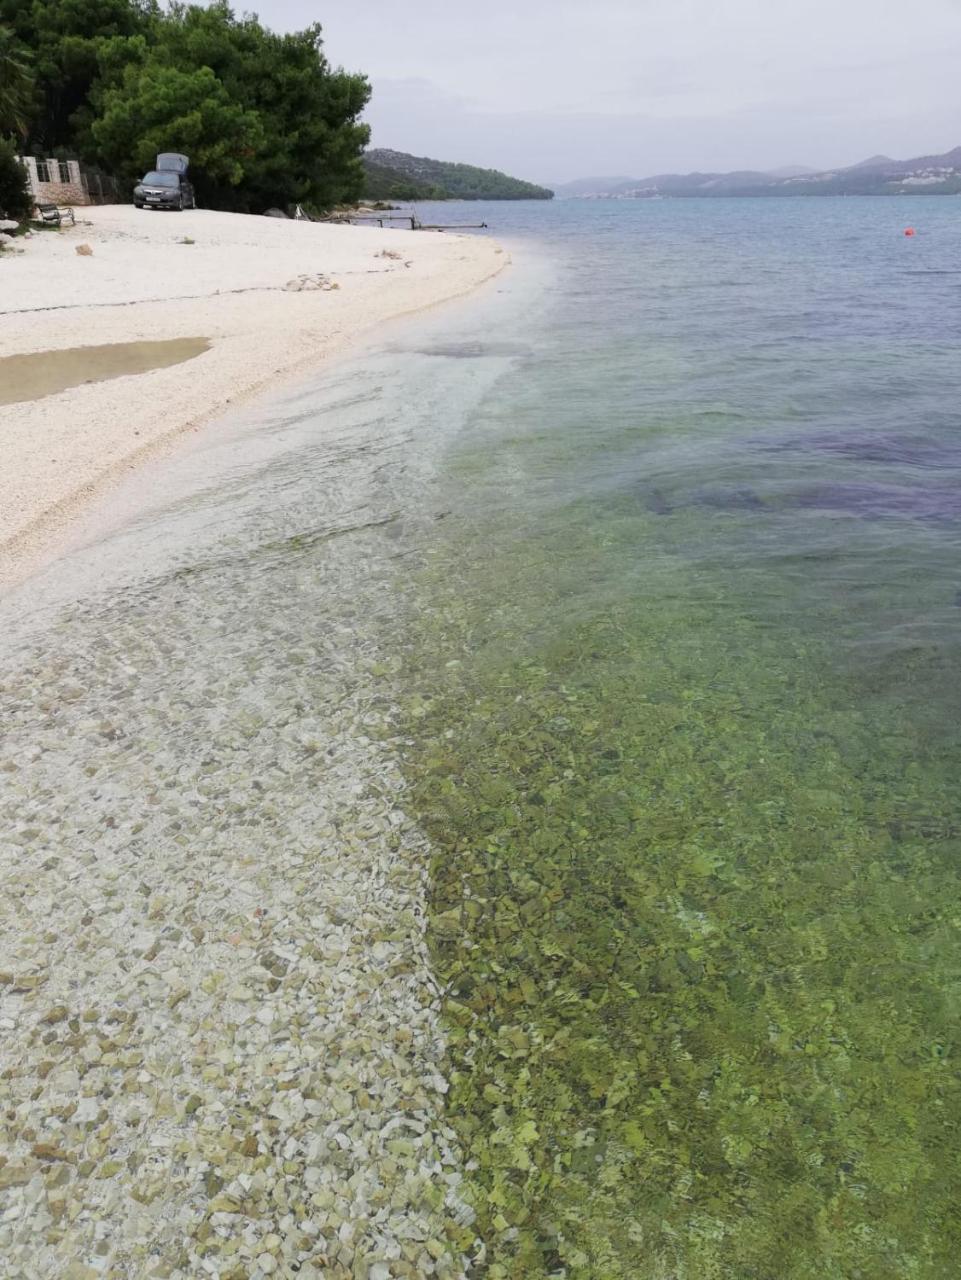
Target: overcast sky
x: 552, y: 90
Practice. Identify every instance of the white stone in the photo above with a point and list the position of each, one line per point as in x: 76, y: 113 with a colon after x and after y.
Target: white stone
x: 180, y: 891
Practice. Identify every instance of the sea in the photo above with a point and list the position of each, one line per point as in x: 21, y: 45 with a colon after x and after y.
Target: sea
x: 648, y: 554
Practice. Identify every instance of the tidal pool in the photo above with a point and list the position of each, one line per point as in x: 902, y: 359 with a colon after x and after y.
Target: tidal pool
x: 44, y: 373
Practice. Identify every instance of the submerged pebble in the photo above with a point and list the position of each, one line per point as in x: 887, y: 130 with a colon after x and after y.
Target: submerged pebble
x: 221, y: 1044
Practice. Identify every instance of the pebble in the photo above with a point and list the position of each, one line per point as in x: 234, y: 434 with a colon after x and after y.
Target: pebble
x: 222, y: 1052
x: 302, y: 283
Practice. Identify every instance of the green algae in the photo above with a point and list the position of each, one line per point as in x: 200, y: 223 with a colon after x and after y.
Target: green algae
x: 696, y: 903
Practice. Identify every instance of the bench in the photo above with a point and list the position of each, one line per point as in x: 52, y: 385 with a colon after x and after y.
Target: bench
x: 56, y: 215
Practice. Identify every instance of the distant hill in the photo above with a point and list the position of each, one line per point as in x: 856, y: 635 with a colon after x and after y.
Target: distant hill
x: 874, y: 162
x: 394, y: 175
x: 589, y: 186
x: 877, y: 176
x: 692, y: 184
x: 791, y: 171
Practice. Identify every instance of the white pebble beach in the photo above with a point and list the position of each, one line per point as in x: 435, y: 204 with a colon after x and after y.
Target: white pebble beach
x: 221, y: 1046
x: 236, y: 284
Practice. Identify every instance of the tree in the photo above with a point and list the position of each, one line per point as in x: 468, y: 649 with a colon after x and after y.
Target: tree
x: 310, y: 141
x: 157, y: 107
x: 264, y: 117
x: 17, y: 103
x: 313, y: 138
x: 64, y: 37
x: 15, y: 199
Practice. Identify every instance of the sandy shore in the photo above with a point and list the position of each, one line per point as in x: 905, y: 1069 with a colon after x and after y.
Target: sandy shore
x: 143, y: 283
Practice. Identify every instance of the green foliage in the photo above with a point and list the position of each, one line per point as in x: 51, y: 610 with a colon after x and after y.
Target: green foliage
x: 15, y: 201
x: 263, y: 116
x: 16, y: 85
x: 157, y: 107
x: 395, y: 175
x: 293, y: 134
x: 382, y: 183
x: 64, y: 38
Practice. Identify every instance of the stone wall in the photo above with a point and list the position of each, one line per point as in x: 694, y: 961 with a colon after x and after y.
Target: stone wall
x: 61, y: 193
x: 68, y: 188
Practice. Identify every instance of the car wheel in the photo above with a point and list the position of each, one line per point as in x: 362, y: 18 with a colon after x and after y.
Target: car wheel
x: 180, y: 205
x: 137, y: 206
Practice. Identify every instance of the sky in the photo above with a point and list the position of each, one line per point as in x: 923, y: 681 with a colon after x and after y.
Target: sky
x: 552, y: 90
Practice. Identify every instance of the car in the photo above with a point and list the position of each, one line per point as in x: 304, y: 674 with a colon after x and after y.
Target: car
x: 167, y: 186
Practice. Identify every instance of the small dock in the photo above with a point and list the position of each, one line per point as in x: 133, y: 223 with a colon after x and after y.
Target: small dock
x: 407, y: 219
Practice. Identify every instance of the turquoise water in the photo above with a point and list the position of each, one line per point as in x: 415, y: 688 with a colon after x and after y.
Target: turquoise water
x: 650, y: 558
x: 693, y: 771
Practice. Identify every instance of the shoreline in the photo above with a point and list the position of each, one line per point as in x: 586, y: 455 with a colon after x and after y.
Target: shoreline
x: 217, y: 992
x: 64, y: 451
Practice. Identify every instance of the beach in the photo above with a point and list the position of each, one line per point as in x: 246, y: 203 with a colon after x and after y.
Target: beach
x: 222, y: 1047
x: 489, y: 806
x: 222, y: 1050
x: 263, y: 298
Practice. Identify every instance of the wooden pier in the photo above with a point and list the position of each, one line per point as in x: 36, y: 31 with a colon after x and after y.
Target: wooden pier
x: 409, y: 219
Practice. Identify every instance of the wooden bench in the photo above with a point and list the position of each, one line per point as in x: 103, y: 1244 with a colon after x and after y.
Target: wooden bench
x: 56, y: 215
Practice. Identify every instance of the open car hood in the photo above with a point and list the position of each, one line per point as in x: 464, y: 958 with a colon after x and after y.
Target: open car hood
x: 173, y: 162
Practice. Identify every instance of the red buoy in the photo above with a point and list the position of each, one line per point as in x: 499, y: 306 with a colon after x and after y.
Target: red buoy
x: 909, y: 231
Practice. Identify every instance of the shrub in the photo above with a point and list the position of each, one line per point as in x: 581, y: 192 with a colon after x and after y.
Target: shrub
x: 15, y: 198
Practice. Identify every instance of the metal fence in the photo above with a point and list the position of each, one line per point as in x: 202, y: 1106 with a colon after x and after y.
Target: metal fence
x: 101, y: 188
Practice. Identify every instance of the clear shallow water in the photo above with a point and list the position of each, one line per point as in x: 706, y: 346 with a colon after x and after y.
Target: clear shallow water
x: 652, y: 552
x: 694, y: 775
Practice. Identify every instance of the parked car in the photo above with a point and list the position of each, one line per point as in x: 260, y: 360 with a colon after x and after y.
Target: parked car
x: 167, y: 186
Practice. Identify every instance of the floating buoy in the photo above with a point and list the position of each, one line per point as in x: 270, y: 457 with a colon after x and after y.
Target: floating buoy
x: 909, y: 231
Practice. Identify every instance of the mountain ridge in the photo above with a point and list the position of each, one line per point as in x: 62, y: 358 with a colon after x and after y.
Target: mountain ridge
x: 878, y: 175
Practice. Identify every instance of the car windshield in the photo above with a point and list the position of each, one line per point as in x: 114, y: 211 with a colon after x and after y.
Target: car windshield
x: 158, y: 179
